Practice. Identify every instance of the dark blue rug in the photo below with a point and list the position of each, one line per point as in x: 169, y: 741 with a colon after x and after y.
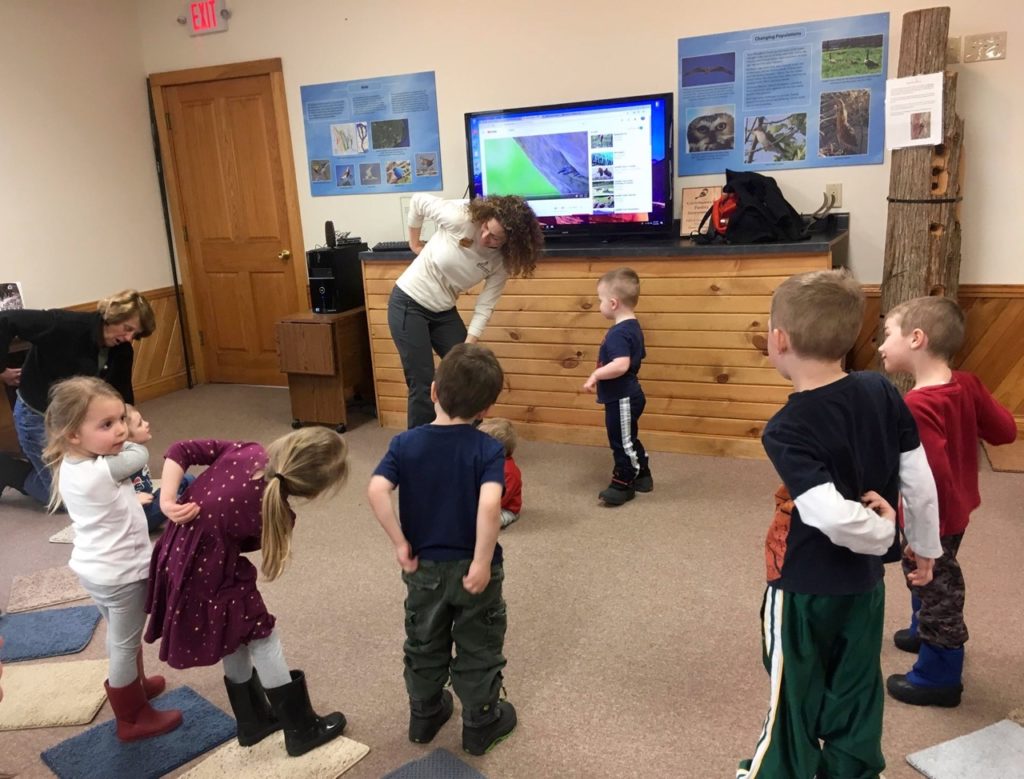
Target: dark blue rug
x: 49, y: 633
x: 97, y: 754
x: 439, y: 764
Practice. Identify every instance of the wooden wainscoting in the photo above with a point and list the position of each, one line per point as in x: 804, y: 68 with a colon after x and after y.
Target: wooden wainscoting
x: 709, y: 386
x: 159, y: 366
x: 993, y: 348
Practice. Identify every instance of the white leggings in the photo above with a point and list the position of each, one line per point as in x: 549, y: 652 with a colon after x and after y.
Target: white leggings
x: 123, y: 607
x: 263, y: 654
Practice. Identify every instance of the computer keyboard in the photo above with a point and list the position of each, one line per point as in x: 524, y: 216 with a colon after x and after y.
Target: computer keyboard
x: 391, y: 246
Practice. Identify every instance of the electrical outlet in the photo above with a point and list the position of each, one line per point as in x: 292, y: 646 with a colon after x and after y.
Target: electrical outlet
x: 953, y: 48
x: 834, y: 192
x: 984, y: 47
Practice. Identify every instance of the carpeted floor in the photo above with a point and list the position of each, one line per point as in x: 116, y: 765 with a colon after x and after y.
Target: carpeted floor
x: 633, y: 641
x: 1008, y: 458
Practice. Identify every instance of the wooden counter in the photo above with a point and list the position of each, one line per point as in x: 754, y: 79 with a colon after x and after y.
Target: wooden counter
x: 709, y: 385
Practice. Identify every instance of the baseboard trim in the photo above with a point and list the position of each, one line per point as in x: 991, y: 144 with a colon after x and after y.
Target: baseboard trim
x: 164, y: 386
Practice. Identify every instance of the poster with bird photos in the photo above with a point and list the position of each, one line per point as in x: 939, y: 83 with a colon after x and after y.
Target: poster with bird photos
x: 806, y: 95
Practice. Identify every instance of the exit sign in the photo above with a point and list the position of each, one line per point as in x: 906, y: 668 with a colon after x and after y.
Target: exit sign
x: 206, y: 16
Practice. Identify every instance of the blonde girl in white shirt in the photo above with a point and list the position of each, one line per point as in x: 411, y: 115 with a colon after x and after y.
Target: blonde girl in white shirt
x: 86, y: 450
x: 488, y: 239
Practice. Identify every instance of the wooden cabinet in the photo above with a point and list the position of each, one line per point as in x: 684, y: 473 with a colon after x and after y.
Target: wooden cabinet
x: 327, y: 360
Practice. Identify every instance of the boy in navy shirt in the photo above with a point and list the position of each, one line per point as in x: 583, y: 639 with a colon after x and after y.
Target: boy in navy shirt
x: 617, y: 386
x: 846, y: 448
x: 450, y: 477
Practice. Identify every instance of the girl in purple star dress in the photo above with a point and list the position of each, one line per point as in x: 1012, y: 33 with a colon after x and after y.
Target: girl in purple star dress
x: 202, y: 599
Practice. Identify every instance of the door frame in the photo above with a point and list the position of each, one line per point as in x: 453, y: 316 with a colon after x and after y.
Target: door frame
x: 158, y: 82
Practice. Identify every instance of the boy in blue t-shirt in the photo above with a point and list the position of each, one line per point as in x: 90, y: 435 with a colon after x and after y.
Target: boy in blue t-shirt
x: 450, y: 477
x: 618, y: 388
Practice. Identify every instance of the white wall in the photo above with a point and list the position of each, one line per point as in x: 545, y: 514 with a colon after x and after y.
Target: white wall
x: 75, y: 154
x: 79, y: 201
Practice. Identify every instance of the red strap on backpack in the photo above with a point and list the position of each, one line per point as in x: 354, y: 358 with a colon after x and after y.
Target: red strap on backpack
x: 721, y: 210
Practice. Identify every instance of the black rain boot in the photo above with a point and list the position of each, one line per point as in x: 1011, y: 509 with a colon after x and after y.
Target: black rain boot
x: 486, y: 726
x: 907, y: 640
x: 304, y: 729
x: 252, y: 710
x: 13, y: 473
x: 617, y: 493
x: 644, y: 482
x: 428, y: 717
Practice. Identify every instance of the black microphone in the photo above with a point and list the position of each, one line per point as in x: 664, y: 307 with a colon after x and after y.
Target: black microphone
x: 329, y: 233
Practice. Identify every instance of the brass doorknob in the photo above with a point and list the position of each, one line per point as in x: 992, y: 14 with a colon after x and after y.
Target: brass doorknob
x: 284, y: 254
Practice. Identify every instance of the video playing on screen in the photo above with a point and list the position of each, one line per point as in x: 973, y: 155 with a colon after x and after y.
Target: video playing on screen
x: 594, y: 169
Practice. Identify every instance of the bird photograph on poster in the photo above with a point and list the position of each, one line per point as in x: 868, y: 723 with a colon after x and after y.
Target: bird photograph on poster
x: 843, y: 127
x: 775, y: 138
x: 712, y: 129
x: 843, y: 57
x: 708, y: 69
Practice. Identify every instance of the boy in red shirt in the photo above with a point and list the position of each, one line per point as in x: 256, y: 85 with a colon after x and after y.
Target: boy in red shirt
x: 512, y: 498
x: 953, y: 409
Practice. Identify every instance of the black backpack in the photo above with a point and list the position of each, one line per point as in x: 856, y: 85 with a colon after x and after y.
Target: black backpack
x: 760, y: 214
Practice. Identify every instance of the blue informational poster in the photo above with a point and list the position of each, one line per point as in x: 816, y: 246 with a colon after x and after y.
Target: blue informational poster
x: 374, y: 135
x: 801, y: 96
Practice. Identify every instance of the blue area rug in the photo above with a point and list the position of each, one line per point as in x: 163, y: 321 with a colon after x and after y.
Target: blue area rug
x: 439, y: 764
x: 48, y: 633
x: 97, y: 754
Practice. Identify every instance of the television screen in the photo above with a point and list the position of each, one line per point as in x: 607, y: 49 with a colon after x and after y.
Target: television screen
x: 595, y: 169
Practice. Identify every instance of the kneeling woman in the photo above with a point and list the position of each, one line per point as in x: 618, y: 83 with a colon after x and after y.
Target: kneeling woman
x: 65, y: 344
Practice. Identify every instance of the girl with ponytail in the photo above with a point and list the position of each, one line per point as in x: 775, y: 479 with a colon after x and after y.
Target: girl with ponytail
x: 203, y: 601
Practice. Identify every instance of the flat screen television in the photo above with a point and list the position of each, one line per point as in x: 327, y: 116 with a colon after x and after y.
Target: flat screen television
x: 597, y: 169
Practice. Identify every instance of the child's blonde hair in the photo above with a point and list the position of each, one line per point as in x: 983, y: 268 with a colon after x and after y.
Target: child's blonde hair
x: 623, y: 284
x: 302, y: 464
x: 502, y: 430
x: 69, y: 404
x: 821, y: 312
x: 941, y: 319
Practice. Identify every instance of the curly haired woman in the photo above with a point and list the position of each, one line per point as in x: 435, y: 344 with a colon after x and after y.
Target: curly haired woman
x: 488, y: 239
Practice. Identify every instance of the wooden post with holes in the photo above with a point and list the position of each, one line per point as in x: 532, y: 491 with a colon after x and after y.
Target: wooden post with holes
x: 922, y: 236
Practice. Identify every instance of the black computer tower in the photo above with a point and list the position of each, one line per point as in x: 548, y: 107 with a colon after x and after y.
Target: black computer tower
x: 336, y: 278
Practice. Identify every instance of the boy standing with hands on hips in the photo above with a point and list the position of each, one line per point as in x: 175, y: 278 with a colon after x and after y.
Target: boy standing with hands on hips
x: 450, y: 477
x: 846, y: 448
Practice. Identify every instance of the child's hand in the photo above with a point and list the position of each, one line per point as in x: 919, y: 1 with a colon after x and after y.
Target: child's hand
x: 145, y: 498
x: 403, y: 552
x: 477, y: 579
x: 878, y: 504
x: 590, y: 385
x: 179, y: 513
x: 922, y: 574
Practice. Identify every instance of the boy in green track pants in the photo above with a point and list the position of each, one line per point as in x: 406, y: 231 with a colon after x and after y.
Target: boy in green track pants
x: 846, y: 448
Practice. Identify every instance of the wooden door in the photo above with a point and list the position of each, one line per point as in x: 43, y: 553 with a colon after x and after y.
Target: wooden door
x: 232, y: 185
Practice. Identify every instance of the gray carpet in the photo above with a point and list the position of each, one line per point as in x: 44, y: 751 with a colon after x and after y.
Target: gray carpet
x: 633, y: 640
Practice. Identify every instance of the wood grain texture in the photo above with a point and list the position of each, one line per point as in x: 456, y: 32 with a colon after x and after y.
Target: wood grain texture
x: 709, y: 385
